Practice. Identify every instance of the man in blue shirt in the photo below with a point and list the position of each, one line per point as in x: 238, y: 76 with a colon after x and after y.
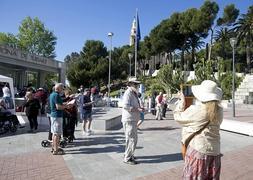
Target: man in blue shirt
x: 56, y: 107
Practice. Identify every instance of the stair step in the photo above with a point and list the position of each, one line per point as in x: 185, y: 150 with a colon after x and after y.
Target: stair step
x: 244, y: 89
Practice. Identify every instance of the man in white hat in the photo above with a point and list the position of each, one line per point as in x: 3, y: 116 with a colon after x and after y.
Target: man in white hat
x: 130, y: 116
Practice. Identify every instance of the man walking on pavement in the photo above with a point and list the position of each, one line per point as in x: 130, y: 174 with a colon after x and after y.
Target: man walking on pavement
x: 130, y: 116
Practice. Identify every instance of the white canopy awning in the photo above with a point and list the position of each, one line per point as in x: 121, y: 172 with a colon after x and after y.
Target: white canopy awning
x: 9, y: 80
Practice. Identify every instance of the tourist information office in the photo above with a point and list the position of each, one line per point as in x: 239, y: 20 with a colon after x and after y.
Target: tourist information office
x: 28, y: 68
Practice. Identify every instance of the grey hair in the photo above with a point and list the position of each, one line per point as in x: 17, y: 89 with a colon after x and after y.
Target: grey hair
x: 58, y: 85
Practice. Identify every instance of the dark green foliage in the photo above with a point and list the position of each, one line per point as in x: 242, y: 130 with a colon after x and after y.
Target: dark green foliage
x: 244, y: 30
x: 224, y: 33
x: 225, y: 82
x: 230, y: 15
x: 222, y: 45
x: 227, y: 65
x: 120, y: 63
x: 91, y: 66
x: 184, y: 31
x: 240, y: 67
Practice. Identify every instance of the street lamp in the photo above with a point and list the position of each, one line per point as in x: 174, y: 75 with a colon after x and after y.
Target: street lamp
x: 110, y: 34
x: 130, y: 56
x: 233, y: 42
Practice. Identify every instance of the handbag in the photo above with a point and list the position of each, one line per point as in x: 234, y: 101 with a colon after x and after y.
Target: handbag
x: 187, y: 142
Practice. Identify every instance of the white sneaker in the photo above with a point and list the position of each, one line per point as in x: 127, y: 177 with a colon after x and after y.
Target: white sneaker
x: 84, y: 133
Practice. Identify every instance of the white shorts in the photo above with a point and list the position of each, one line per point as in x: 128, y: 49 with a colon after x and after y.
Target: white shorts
x: 56, y: 125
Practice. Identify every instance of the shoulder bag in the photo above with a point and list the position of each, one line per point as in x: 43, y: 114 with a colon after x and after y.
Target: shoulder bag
x: 187, y: 142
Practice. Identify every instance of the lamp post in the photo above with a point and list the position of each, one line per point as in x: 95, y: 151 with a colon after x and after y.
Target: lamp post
x: 233, y: 42
x: 130, y: 56
x: 110, y: 34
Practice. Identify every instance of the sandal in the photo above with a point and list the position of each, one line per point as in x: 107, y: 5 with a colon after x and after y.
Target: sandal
x: 59, y: 152
x: 55, y: 152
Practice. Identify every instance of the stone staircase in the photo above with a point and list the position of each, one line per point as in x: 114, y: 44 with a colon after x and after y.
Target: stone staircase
x: 244, y: 90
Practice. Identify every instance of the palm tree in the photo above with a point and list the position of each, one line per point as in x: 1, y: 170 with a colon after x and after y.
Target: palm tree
x: 223, y: 36
x: 244, y: 30
x: 193, y: 43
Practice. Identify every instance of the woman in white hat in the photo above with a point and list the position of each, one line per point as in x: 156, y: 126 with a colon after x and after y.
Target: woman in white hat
x: 200, y: 131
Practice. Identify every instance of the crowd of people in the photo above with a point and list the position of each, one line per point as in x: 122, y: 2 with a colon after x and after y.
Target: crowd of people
x: 200, y: 122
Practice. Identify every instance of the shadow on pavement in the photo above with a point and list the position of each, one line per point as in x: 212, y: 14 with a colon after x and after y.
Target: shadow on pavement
x: 107, y: 149
x: 24, y: 130
x: 160, y: 158
x: 158, y: 129
x: 91, y: 141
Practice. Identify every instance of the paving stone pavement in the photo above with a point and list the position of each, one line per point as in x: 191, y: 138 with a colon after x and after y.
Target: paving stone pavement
x: 35, y: 165
x: 100, y: 156
x: 236, y: 165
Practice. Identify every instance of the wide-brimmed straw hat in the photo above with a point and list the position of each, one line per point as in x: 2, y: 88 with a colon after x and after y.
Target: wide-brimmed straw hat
x: 207, y: 91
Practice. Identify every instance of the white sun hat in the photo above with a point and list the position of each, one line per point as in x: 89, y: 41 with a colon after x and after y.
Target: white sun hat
x: 207, y: 91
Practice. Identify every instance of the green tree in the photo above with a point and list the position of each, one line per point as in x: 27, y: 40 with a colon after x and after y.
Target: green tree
x: 223, y: 35
x: 230, y: 15
x: 33, y: 37
x: 244, y: 28
x: 74, y: 56
x: 8, y: 39
x: 120, y: 63
x: 146, y: 48
x: 166, y: 37
x: 90, y: 67
x: 195, y: 25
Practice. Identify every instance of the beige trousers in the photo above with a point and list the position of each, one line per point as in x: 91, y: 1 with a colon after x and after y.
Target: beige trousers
x: 130, y: 129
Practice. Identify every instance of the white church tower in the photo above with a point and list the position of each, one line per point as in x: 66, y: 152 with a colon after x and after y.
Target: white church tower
x: 133, y: 31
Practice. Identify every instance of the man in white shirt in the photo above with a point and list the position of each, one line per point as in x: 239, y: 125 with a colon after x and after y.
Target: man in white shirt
x: 130, y: 116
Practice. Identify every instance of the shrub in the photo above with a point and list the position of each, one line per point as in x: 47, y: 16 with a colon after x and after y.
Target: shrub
x: 226, y: 84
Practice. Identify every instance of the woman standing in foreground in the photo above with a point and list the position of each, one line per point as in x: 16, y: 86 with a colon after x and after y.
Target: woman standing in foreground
x: 203, y: 158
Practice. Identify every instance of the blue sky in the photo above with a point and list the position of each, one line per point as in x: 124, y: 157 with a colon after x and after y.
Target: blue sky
x: 74, y: 22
